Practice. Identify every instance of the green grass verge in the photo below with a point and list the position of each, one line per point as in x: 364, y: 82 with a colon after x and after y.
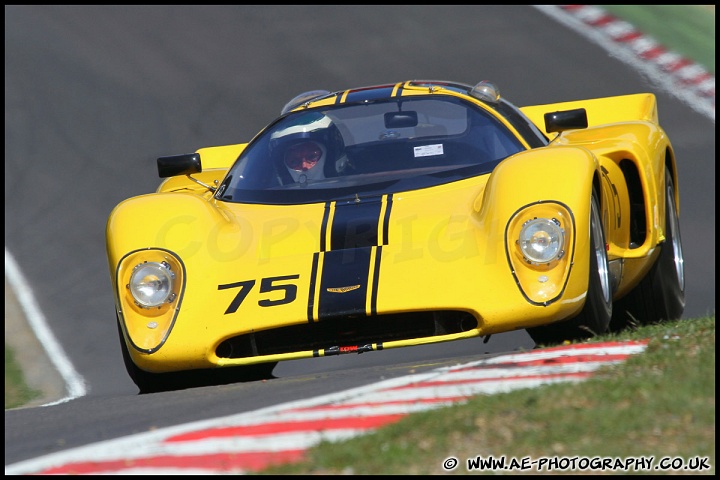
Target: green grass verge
x: 16, y: 392
x: 657, y: 404
x: 685, y: 29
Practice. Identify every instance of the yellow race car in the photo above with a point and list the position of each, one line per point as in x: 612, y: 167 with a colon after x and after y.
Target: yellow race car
x: 398, y: 215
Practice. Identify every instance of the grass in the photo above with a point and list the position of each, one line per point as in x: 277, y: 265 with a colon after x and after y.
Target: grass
x: 657, y: 404
x: 685, y: 29
x: 17, y: 393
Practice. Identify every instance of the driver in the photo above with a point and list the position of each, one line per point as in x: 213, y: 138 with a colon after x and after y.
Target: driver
x: 305, y: 158
x: 301, y: 149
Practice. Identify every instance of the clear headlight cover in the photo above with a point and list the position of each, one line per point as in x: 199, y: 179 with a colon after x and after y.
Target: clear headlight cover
x: 541, y: 240
x: 151, y: 284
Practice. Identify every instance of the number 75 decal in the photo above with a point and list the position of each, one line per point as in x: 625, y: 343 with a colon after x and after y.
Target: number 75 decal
x: 269, y: 284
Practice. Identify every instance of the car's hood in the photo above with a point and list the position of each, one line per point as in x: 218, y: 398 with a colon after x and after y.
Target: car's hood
x: 353, y: 253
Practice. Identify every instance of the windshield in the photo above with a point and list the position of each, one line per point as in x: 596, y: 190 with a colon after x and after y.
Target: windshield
x: 368, y: 148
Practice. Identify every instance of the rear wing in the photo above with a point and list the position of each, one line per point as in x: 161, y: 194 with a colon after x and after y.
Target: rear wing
x: 601, y: 111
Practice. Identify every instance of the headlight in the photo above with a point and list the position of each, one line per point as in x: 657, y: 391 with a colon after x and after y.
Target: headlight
x: 152, y: 284
x: 541, y: 240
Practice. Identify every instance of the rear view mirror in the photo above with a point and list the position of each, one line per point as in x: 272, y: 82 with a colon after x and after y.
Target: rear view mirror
x: 566, y: 120
x: 401, y: 119
x: 185, y: 164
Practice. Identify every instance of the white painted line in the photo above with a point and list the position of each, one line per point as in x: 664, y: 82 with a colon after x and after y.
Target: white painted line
x: 74, y: 382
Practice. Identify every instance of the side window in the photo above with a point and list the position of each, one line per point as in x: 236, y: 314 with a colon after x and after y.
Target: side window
x: 529, y: 131
x: 492, y: 138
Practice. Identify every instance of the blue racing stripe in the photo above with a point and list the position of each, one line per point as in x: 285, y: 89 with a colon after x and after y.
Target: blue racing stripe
x: 313, y: 282
x: 376, y: 281
x: 355, y: 224
x: 350, y: 258
x: 344, y: 282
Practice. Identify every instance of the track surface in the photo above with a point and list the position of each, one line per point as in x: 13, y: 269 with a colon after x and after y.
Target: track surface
x: 251, y: 441
x: 94, y: 94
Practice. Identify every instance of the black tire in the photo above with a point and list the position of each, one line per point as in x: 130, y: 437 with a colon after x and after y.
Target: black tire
x: 148, y: 382
x: 660, y: 295
x: 594, y: 318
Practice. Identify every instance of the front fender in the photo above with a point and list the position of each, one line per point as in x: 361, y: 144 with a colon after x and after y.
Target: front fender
x: 180, y: 230
x: 554, y: 183
x: 178, y: 222
x: 563, y: 174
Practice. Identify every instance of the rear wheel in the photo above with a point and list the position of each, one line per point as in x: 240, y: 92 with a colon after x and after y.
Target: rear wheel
x: 594, y: 318
x: 148, y: 382
x: 660, y: 295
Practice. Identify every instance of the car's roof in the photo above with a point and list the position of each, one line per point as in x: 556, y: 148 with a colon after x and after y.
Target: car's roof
x: 374, y: 92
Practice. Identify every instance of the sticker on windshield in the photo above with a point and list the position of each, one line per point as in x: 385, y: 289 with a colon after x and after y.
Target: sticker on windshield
x: 428, y: 150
